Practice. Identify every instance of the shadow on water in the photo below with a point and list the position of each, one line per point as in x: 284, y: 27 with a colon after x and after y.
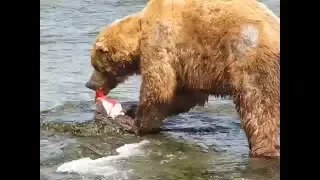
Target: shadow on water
x: 193, y: 145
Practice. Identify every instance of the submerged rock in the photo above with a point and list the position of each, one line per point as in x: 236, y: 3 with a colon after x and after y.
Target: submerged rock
x: 99, y: 126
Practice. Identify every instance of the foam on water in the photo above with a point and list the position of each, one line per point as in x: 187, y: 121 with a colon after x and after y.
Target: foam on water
x: 104, y: 166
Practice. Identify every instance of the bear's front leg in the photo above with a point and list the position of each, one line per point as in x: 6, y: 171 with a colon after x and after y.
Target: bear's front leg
x: 144, y: 118
x: 159, y: 81
x: 157, y: 93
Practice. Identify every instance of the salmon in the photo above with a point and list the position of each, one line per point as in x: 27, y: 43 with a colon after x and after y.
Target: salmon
x: 108, y: 107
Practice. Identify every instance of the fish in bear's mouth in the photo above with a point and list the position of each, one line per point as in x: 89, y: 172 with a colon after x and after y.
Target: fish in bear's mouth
x: 108, y: 107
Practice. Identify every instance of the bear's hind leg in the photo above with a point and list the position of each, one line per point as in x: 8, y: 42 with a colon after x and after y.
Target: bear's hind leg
x: 259, y: 116
x: 277, y: 145
x: 253, y: 66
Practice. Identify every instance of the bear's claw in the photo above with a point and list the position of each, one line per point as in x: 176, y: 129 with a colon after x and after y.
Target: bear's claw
x: 127, y: 122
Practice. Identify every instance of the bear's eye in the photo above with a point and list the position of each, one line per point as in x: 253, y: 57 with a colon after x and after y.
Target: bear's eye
x: 96, y: 67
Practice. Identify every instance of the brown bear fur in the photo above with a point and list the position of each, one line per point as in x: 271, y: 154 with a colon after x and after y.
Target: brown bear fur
x: 186, y: 50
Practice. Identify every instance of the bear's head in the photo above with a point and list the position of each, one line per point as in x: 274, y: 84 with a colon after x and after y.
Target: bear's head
x: 115, y: 54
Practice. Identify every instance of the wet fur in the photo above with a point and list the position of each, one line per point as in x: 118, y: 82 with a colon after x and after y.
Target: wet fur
x: 186, y: 50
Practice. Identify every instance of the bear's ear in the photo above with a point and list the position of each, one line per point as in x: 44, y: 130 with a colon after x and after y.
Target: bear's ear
x: 102, y: 46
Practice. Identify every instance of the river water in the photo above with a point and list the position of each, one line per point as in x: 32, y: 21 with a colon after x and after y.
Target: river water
x: 205, y: 143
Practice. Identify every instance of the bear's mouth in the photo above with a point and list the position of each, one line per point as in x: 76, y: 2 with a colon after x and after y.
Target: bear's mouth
x: 105, y: 91
x: 96, y: 88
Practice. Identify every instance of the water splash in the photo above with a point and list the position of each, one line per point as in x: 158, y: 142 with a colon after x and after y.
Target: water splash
x: 105, y: 166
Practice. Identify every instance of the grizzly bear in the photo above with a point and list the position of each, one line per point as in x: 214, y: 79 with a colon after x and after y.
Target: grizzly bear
x: 186, y: 50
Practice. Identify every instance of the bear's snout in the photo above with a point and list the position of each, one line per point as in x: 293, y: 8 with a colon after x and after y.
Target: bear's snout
x: 96, y: 80
x: 90, y: 86
x: 95, y: 87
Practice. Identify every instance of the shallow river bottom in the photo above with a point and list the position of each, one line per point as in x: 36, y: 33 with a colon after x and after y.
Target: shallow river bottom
x: 206, y: 143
